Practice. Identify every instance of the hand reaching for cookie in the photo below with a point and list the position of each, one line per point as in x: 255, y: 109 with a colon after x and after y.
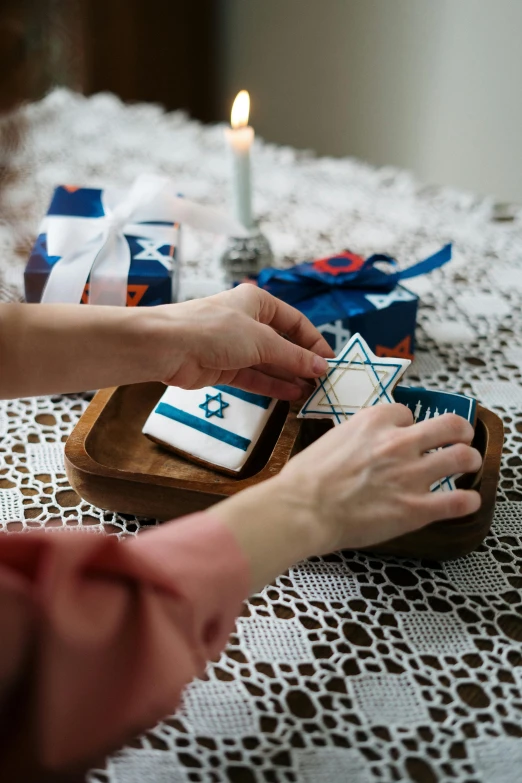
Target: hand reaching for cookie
x: 363, y: 482
x: 234, y: 338
x: 369, y: 480
x: 231, y: 338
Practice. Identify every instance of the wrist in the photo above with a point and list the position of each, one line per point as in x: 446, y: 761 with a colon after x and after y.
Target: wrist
x: 273, y: 527
x: 295, y: 500
x: 160, y: 338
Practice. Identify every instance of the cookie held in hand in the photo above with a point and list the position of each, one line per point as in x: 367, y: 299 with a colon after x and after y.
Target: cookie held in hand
x: 357, y: 379
x: 430, y: 403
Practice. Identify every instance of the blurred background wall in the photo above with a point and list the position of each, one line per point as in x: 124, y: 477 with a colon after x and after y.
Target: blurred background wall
x: 429, y: 85
x: 432, y: 86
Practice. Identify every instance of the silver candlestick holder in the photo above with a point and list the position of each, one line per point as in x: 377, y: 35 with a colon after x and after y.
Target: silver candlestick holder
x: 244, y: 257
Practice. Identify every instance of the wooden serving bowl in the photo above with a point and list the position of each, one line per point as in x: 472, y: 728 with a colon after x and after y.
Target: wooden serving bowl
x: 112, y: 465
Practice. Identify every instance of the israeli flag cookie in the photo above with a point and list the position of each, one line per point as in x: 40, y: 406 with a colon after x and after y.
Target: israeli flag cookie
x: 217, y: 425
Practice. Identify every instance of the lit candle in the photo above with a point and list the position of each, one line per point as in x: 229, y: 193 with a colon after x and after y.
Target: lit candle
x: 240, y: 137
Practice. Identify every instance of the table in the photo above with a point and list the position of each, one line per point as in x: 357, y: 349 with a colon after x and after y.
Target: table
x: 349, y: 667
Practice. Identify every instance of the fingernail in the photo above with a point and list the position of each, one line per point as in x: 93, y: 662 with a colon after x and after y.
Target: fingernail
x: 319, y: 365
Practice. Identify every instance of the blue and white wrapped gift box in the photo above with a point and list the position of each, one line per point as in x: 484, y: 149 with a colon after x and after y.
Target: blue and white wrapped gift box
x: 114, y: 246
x: 346, y: 294
x: 150, y: 267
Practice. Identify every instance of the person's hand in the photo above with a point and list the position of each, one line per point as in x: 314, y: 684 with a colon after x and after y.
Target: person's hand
x: 364, y: 482
x: 368, y: 480
x: 234, y: 338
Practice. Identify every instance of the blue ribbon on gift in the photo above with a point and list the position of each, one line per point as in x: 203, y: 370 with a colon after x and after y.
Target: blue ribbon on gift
x: 327, y: 296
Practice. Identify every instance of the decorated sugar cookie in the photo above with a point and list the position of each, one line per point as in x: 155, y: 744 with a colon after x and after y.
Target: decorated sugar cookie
x: 216, y: 425
x: 428, y: 404
x: 357, y: 379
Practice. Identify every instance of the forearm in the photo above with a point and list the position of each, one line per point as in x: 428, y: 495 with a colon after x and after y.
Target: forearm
x: 273, y: 528
x: 46, y: 349
x: 100, y: 638
x: 232, y: 338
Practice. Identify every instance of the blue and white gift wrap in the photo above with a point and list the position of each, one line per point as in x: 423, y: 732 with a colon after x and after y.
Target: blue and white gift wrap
x: 345, y: 294
x: 219, y: 425
x: 114, y: 246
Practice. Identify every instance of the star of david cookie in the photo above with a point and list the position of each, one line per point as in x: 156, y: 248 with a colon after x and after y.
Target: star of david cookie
x: 357, y: 379
x: 218, y: 426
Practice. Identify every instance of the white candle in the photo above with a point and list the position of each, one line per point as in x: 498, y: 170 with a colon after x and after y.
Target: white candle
x: 240, y: 137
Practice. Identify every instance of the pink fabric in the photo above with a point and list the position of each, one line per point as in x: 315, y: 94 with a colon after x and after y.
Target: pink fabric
x: 99, y: 638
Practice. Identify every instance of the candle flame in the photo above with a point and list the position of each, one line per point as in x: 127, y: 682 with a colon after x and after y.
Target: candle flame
x: 240, y: 110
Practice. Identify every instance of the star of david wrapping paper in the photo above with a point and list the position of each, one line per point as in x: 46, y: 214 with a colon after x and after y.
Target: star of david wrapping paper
x: 346, y: 294
x: 153, y: 272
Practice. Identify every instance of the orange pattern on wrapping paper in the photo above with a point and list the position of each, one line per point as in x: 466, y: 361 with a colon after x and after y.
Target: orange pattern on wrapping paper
x: 327, y: 264
x: 402, y: 349
x: 135, y: 294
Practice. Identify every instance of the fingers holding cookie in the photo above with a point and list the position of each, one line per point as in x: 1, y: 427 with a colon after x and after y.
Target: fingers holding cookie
x: 450, y: 461
x: 442, y: 431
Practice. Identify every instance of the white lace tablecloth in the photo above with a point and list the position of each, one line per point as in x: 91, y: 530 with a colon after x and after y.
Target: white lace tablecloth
x: 350, y: 667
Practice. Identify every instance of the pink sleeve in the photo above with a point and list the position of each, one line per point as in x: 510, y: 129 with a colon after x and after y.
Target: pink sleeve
x: 99, y: 638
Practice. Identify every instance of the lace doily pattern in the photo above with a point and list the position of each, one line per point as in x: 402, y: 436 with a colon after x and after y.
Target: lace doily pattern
x: 351, y: 666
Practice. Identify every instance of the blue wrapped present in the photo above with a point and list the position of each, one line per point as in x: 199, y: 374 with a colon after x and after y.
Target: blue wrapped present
x: 345, y: 294
x: 106, y: 247
x: 115, y: 247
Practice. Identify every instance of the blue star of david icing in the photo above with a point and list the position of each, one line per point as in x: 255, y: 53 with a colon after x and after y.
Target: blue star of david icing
x: 357, y: 379
x: 221, y: 405
x: 341, y: 392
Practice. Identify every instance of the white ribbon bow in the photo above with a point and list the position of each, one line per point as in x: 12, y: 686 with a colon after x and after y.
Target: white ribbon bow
x: 97, y: 246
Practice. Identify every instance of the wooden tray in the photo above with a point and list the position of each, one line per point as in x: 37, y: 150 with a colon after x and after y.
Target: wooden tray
x: 113, y: 466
